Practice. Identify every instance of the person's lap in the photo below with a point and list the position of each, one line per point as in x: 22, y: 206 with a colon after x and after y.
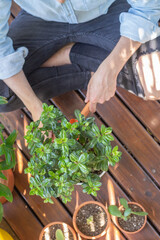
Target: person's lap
x: 95, y: 40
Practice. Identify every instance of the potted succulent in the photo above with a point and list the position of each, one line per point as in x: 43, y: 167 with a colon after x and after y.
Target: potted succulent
x: 57, y: 231
x: 78, y: 154
x: 131, y: 216
x: 6, y: 164
x: 91, y: 220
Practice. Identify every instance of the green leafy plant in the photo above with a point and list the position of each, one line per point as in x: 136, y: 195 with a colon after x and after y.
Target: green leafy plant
x: 90, y: 220
x: 79, y: 151
x: 6, y: 149
x: 59, y: 235
x: 113, y: 210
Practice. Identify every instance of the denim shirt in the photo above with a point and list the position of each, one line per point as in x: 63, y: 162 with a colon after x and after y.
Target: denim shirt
x: 140, y: 23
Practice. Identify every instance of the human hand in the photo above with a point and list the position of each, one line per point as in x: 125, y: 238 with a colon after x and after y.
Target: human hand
x: 102, y: 85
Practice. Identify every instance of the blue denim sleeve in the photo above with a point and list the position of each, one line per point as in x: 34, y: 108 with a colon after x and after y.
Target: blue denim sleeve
x: 140, y: 23
x: 11, y: 61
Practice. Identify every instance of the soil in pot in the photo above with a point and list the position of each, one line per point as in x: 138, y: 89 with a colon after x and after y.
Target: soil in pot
x: 99, y: 220
x: 134, y: 223
x: 50, y: 232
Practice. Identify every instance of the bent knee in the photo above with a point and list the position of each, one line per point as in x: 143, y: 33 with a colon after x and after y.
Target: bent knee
x: 148, y: 70
x: 152, y: 97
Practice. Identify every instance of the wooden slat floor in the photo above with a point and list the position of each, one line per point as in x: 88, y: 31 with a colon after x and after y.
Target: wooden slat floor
x: 136, y: 128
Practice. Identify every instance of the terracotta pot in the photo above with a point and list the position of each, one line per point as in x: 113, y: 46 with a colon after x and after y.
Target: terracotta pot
x: 75, y: 215
x: 145, y: 220
x: 9, y: 182
x: 54, y: 223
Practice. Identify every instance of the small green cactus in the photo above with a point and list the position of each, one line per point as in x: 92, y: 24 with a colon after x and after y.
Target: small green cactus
x: 59, y: 235
x: 90, y: 220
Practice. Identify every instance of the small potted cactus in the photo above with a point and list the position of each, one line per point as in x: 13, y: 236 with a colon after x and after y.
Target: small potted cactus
x: 130, y: 216
x: 57, y: 231
x: 91, y: 220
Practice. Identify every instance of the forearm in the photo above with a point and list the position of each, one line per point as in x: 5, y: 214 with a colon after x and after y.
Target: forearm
x: 20, y: 86
x: 122, y: 52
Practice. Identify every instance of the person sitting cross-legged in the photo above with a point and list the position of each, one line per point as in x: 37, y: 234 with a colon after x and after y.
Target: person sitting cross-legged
x: 57, y: 46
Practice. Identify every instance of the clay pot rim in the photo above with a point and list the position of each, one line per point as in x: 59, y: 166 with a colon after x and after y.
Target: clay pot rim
x: 145, y: 220
x: 75, y: 225
x: 55, y: 223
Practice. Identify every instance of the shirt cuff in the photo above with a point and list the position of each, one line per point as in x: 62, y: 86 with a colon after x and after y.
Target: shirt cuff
x: 138, y: 28
x: 12, y: 63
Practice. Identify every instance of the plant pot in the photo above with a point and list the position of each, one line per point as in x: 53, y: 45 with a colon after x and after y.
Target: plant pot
x: 64, y: 227
x: 4, y: 235
x: 9, y: 182
x: 94, y: 209
x: 138, y: 230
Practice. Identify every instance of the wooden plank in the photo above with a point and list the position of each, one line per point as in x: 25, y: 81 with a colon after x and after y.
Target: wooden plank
x: 4, y: 225
x: 21, y: 219
x: 147, y: 111
x: 133, y: 136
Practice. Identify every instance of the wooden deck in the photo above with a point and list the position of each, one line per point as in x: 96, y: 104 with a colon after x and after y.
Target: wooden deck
x: 136, y: 128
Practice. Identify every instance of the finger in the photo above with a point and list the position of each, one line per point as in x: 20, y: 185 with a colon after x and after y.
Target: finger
x: 92, y: 107
x: 87, y: 95
x: 102, y: 98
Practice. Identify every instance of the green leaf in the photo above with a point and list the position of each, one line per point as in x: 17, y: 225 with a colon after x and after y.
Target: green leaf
x: 1, y: 211
x: 83, y: 168
x: 78, y: 115
x: 109, y: 137
x: 2, y: 176
x: 73, y: 157
x: 108, y: 130
x: 95, y: 130
x: 63, y: 134
x: 127, y: 212
x: 140, y: 213
x: 4, y: 166
x: 71, y: 142
x: 92, y: 143
x: 12, y: 137
x: 124, y: 202
x: 103, y: 129
x: 113, y: 210
x: 73, y: 168
x: 115, y: 149
x: 5, y: 192
x: 83, y: 158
